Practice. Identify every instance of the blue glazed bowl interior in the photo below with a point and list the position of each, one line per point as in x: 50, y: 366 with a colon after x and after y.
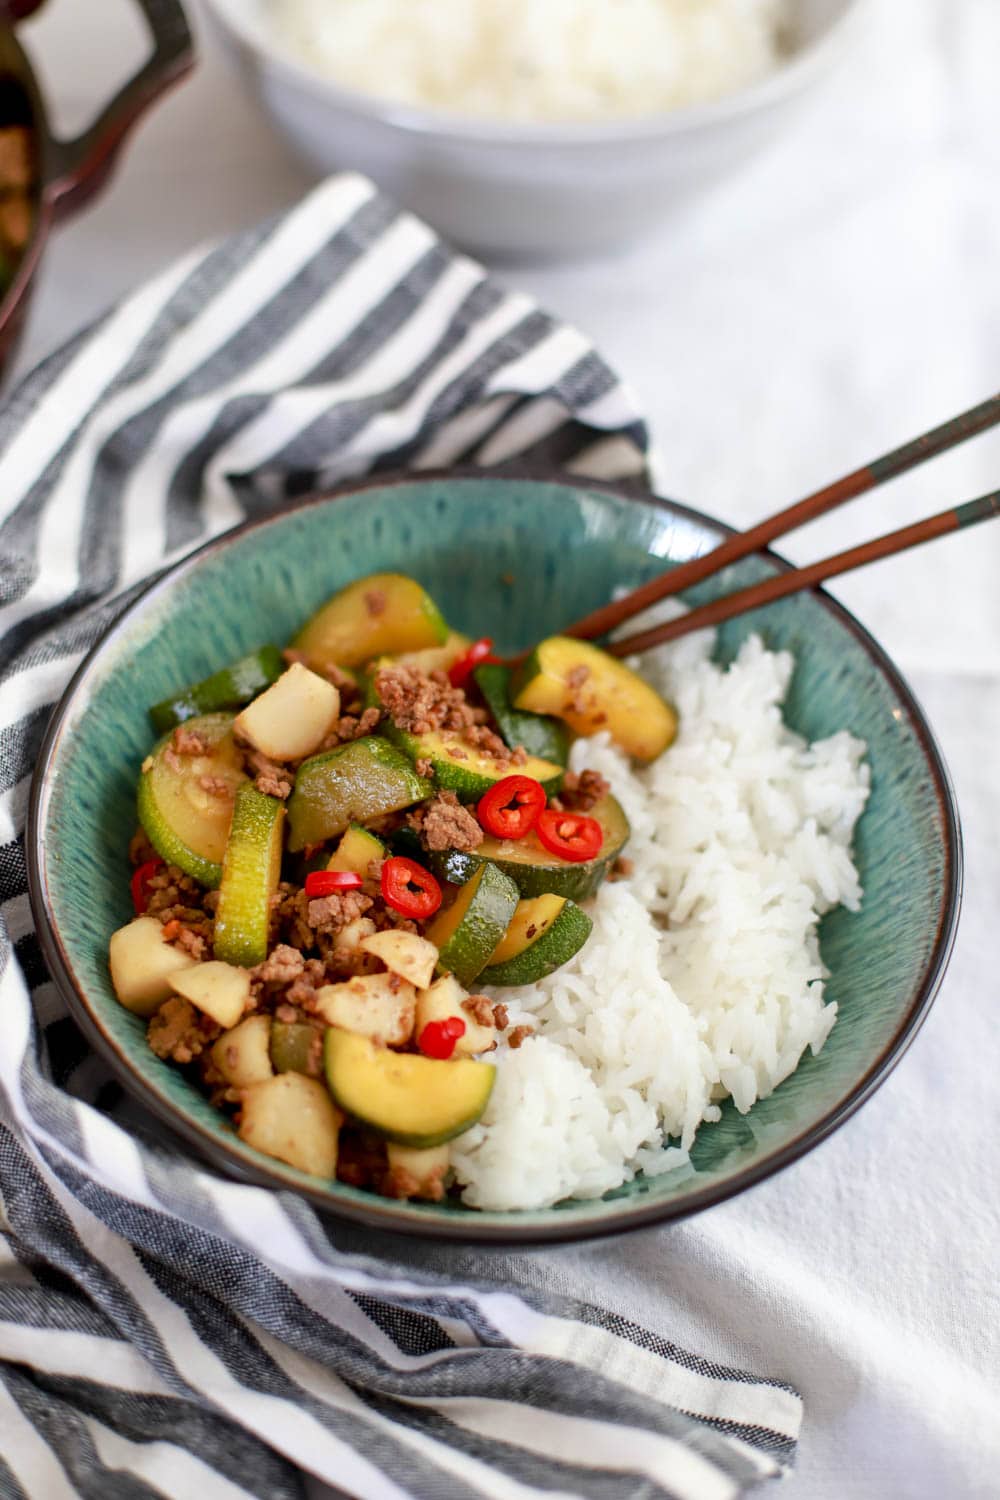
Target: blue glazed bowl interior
x: 514, y: 559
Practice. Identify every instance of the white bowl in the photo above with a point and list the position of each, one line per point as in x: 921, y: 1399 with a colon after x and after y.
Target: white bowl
x: 527, y: 190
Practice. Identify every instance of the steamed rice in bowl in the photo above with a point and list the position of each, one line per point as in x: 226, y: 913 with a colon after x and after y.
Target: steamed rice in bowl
x: 521, y: 60
x: 703, y: 977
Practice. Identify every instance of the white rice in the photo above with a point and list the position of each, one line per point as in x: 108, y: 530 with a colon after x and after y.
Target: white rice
x: 702, y: 978
x: 525, y: 60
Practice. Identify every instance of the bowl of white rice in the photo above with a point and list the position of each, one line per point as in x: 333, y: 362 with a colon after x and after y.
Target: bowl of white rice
x: 769, y: 951
x: 534, y: 129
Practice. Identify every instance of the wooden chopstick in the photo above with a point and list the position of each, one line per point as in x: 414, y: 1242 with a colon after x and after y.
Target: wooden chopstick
x: 938, y: 440
x: 782, y: 584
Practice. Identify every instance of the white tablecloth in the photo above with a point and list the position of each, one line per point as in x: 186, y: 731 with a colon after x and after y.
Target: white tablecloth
x: 838, y: 298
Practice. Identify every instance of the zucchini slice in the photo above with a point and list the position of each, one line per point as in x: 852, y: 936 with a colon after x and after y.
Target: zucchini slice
x: 411, y: 1099
x: 187, y: 825
x: 365, y: 779
x: 356, y: 851
x: 530, y: 865
x: 230, y: 688
x: 540, y: 735
x: 462, y: 769
x: 468, y: 931
x: 293, y: 1045
x: 250, y: 872
x: 436, y: 658
x: 545, y: 932
x: 381, y: 614
x: 591, y: 690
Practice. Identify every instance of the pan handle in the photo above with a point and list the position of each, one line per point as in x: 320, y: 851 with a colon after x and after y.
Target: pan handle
x: 76, y: 169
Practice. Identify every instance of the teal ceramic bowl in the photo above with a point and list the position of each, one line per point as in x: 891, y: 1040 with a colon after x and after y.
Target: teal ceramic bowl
x: 515, y: 559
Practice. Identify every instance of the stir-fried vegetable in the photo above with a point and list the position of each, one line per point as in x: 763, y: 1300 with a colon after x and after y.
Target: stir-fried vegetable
x: 434, y: 838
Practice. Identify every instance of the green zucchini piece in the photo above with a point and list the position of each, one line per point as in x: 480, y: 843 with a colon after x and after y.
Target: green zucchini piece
x: 187, y: 825
x: 468, y: 931
x: 364, y: 779
x: 407, y: 1098
x: 455, y: 766
x: 377, y: 615
x: 292, y: 1044
x: 591, y: 691
x: 250, y: 871
x: 356, y: 851
x: 230, y: 688
x: 540, y: 734
x: 545, y: 932
x: 530, y: 865
x: 435, y: 658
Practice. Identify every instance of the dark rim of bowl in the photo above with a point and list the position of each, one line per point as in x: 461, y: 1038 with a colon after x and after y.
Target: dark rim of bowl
x: 468, y: 1227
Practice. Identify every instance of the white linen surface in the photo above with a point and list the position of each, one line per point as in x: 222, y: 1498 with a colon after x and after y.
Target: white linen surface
x: 838, y: 298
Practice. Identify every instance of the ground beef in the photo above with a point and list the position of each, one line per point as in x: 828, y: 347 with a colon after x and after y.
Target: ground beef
x: 281, y: 966
x: 446, y: 824
x: 582, y: 790
x: 215, y: 786
x: 331, y: 913
x: 622, y: 868
x: 479, y: 1008
x: 351, y: 727
x: 185, y: 908
x: 420, y: 702
x: 576, y: 702
x: 178, y: 1032
x: 140, y: 850
x: 519, y: 1035
x: 186, y: 741
x: 375, y: 602
x: 270, y: 778
x: 423, y: 767
x: 500, y: 1017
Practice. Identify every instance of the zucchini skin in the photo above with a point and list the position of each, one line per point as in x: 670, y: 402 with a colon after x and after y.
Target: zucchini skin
x: 555, y: 947
x: 466, y: 952
x: 326, y: 800
x: 250, y: 872
x: 540, y: 734
x: 575, y: 881
x: 229, y: 688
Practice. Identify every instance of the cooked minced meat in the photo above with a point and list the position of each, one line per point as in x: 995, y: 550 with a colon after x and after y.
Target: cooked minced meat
x: 178, y: 1032
x: 351, y: 727
x: 582, y: 790
x: 446, y: 824
x: 270, y: 778
x: 422, y: 701
x: 331, y: 913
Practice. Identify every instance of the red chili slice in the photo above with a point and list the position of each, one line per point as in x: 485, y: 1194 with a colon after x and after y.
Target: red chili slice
x: 480, y: 651
x: 410, y: 889
x: 438, y: 1038
x: 329, y: 882
x: 140, y: 884
x: 571, y: 835
x: 511, y: 807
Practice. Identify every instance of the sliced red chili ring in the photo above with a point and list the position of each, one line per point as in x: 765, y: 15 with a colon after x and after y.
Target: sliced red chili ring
x: 330, y: 882
x: 141, y: 892
x: 572, y: 835
x: 410, y: 889
x: 480, y: 651
x: 511, y: 807
x: 439, y: 1038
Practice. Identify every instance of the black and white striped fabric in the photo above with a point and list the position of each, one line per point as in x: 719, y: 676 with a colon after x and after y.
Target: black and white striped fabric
x: 164, y: 1331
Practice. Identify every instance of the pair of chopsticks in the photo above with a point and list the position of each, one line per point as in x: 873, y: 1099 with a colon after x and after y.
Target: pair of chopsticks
x: 938, y: 440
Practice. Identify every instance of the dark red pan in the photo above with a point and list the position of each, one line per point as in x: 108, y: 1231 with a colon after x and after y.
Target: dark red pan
x: 68, y: 173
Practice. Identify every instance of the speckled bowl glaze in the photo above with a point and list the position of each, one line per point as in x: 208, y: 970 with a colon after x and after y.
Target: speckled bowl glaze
x: 513, y: 558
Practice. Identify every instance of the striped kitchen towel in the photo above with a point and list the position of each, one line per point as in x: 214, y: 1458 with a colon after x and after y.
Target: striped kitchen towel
x: 164, y: 1331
